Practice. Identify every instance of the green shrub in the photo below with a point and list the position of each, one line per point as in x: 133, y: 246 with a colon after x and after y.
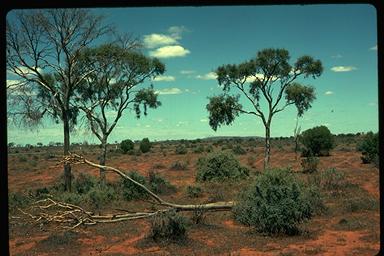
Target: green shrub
x: 219, y: 167
x: 126, y: 145
x: 309, y: 164
x: 17, y: 199
x: 356, y: 204
x: 100, y: 195
x: 238, y: 150
x: 179, y: 165
x: 71, y: 198
x: 199, y: 149
x: 168, y: 226
x: 159, y: 185
x: 369, y: 148
x: 194, y: 191
x: 317, y: 141
x: 181, y: 150
x: 145, y: 145
x: 332, y: 179
x: 84, y: 183
x: 132, y: 191
x: 275, y: 203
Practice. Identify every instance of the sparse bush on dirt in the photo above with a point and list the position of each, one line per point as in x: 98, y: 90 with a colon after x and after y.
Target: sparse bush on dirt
x: 220, y: 167
x: 309, y: 164
x: 199, y: 149
x: 251, y: 160
x: 369, y: 148
x: 127, y: 145
x: 194, y: 191
x: 238, y: 150
x: 100, y: 195
x: 356, y: 204
x: 333, y: 180
x: 22, y: 159
x: 158, y: 184
x: 84, y: 183
x: 275, y: 203
x: 179, y: 166
x: 17, y: 200
x: 181, y: 149
x: 198, y: 215
x: 168, y: 226
x: 145, y: 145
x: 159, y: 166
x: 132, y: 191
x: 317, y: 141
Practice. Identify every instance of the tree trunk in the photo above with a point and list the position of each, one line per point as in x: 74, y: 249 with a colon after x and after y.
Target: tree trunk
x: 267, y: 146
x: 67, y: 166
x: 102, y: 160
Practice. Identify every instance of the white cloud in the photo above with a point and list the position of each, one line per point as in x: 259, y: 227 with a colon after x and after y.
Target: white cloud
x: 25, y: 71
x: 147, y: 126
x: 374, y: 48
x: 167, y: 91
x: 337, y: 56
x: 13, y: 84
x: 343, y: 68
x: 176, y: 31
x: 187, y: 72
x: 187, y: 90
x: 372, y: 104
x: 155, y: 40
x: 164, y: 78
x: 208, y: 76
x: 204, y: 120
x: 328, y: 93
x: 169, y: 51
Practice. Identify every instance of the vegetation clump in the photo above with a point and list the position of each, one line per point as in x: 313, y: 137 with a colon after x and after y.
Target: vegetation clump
x: 238, y: 150
x: 309, y: 164
x: 275, y: 203
x: 145, y: 145
x: 130, y: 190
x: 168, y: 226
x: 369, y: 148
x: 127, y: 145
x: 220, y: 167
x: 317, y: 141
x: 181, y: 149
x: 158, y: 184
x: 179, y: 166
x: 194, y: 191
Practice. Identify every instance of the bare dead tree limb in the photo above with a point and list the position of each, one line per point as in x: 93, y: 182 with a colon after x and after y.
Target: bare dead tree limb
x: 71, y: 216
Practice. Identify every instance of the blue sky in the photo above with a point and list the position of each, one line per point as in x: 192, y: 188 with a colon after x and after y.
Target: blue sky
x: 193, y: 41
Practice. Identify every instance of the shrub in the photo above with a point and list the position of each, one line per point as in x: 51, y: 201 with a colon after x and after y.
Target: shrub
x: 100, y: 195
x: 275, y: 203
x: 219, y: 167
x: 168, y: 226
x: 238, y: 150
x: 179, y: 165
x: 181, y: 150
x: 132, y: 191
x: 159, y: 185
x: 194, y: 191
x: 356, y: 204
x: 145, y: 145
x: 199, y: 149
x: 332, y: 179
x: 127, y: 145
x: 309, y: 164
x: 84, y: 183
x: 317, y: 141
x: 17, y: 200
x: 369, y: 148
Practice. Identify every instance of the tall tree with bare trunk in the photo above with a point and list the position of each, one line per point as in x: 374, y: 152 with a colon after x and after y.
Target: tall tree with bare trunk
x: 262, y: 82
x: 114, y: 87
x: 43, y: 47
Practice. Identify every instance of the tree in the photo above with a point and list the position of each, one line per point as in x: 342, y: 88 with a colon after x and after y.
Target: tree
x: 317, y: 141
x: 269, y: 76
x: 112, y: 88
x: 43, y: 47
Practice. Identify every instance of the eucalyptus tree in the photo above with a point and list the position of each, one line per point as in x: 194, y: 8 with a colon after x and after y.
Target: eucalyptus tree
x: 43, y: 47
x: 116, y: 85
x: 263, y: 82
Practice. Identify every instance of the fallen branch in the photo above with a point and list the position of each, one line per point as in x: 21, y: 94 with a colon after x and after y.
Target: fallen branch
x: 48, y: 210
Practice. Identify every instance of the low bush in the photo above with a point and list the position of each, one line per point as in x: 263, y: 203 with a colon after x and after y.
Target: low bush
x: 199, y: 149
x: 357, y: 204
x: 168, y: 226
x: 317, y: 141
x: 159, y: 185
x: 84, y: 183
x: 132, y: 191
x: 309, y: 164
x: 126, y: 145
x: 275, y: 203
x: 238, y: 150
x: 332, y: 179
x: 181, y: 150
x: 17, y: 199
x: 369, y: 148
x: 194, y: 191
x: 100, y: 195
x: 145, y: 145
x: 220, y: 167
x: 179, y: 166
